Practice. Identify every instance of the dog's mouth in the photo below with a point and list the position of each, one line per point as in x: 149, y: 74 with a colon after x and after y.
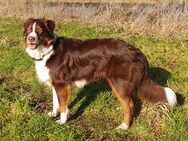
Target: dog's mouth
x: 32, y: 46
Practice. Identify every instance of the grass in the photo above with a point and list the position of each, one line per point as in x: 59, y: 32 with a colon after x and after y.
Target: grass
x: 94, y: 111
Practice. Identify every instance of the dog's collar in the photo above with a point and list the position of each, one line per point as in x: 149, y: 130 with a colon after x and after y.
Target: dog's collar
x: 53, y: 47
x: 40, y: 59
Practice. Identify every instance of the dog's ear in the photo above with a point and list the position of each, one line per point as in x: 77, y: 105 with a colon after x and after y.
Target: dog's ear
x: 50, y: 25
x: 26, y: 24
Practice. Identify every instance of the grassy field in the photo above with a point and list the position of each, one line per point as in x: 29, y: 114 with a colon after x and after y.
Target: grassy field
x: 94, y: 110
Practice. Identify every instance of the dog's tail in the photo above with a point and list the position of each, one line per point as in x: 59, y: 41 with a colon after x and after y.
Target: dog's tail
x: 151, y: 91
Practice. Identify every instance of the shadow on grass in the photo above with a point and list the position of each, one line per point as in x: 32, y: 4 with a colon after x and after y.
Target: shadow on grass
x: 1, y: 80
x: 180, y: 99
x: 159, y: 75
x: 89, y: 92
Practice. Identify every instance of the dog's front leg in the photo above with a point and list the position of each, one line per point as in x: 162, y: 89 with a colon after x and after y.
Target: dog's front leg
x: 55, y: 111
x: 62, y: 92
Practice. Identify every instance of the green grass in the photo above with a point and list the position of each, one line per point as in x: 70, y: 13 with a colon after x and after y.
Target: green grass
x: 94, y: 111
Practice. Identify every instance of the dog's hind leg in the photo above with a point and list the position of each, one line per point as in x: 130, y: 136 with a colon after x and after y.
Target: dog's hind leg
x: 123, y: 90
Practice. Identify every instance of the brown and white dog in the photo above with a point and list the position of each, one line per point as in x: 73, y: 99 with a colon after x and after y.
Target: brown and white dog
x: 63, y: 63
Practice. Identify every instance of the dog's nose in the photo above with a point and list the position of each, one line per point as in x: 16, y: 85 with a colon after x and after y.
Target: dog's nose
x: 31, y: 39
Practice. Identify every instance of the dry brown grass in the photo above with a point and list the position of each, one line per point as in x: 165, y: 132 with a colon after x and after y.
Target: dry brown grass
x: 115, y: 1
x: 165, y: 19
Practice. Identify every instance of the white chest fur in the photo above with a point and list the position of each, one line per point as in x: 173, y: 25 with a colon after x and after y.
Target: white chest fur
x: 40, y: 66
x: 43, y: 72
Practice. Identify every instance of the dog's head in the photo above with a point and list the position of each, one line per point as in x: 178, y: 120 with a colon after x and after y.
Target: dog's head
x: 39, y: 36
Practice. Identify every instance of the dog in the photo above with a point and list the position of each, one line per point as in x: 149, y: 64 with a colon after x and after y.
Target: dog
x: 63, y: 63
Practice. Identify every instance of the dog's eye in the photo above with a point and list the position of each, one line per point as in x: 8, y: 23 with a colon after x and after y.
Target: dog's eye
x: 40, y: 30
x: 28, y: 30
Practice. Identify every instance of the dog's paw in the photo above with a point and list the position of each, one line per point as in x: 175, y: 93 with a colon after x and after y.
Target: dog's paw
x: 123, y: 126
x: 52, y: 114
x: 63, y: 118
x: 60, y: 122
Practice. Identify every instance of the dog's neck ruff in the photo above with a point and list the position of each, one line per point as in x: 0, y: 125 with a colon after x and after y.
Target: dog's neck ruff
x: 50, y: 52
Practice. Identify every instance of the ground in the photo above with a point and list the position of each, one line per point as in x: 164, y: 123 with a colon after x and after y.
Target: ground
x: 94, y: 110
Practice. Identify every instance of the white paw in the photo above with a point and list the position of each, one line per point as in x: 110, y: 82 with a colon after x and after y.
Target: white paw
x: 52, y: 114
x: 63, y: 118
x: 123, y: 126
x: 60, y: 122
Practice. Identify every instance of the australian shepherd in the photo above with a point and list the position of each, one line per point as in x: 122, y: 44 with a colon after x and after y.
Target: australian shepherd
x: 63, y: 63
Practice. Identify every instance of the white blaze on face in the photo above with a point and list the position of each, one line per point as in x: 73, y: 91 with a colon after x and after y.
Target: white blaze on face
x: 33, y: 34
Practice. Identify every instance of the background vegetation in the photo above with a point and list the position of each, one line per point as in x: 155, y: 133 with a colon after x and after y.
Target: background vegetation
x: 165, y: 19
x: 94, y: 110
